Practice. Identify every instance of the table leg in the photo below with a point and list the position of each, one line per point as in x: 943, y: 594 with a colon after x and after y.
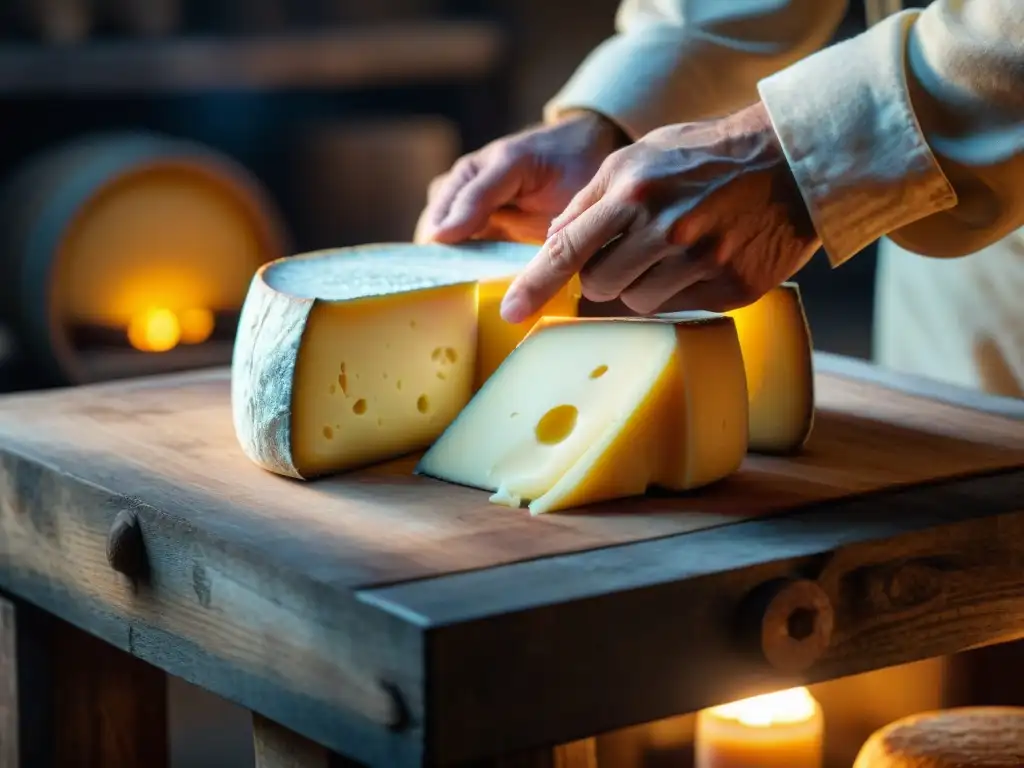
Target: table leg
x: 576, y: 754
x: 278, y: 747
x: 8, y: 686
x: 68, y: 698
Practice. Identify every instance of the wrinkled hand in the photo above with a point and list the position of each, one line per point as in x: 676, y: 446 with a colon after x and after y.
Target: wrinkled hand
x: 706, y: 215
x: 512, y: 188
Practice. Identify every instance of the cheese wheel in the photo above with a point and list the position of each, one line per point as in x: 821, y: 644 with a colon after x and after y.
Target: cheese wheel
x: 968, y: 737
x: 588, y: 410
x: 101, y: 231
x: 778, y: 358
x: 353, y: 356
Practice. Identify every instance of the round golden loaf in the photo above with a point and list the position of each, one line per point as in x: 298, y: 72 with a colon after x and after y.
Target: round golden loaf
x: 968, y: 737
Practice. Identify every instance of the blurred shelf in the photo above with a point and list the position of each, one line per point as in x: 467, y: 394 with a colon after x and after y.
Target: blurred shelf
x: 122, y: 364
x: 353, y: 57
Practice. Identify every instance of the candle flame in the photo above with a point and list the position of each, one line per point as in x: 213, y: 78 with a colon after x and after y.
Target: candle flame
x: 156, y: 329
x: 159, y: 329
x: 795, y: 705
x: 196, y: 325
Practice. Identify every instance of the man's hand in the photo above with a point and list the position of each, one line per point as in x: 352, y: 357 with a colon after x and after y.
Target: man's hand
x: 704, y: 216
x: 513, y: 187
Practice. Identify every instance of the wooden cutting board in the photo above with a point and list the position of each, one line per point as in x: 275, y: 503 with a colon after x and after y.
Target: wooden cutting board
x: 168, y: 442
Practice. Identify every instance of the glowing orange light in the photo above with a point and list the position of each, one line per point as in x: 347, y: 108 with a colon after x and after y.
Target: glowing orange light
x: 154, y: 330
x: 777, y: 730
x: 196, y: 325
x: 795, y: 705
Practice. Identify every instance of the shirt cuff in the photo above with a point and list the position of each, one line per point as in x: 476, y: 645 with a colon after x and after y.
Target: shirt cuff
x: 846, y: 124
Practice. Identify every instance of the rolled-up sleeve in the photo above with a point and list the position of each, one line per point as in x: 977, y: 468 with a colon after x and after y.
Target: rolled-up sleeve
x: 914, y: 129
x: 675, y: 61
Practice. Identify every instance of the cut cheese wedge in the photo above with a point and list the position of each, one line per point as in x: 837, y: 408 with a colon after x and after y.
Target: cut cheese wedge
x: 350, y: 357
x: 497, y: 337
x: 587, y: 410
x: 777, y: 354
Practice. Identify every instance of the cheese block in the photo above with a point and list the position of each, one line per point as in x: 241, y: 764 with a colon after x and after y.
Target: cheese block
x: 498, y: 338
x: 967, y: 737
x: 588, y: 410
x: 349, y: 357
x: 777, y: 355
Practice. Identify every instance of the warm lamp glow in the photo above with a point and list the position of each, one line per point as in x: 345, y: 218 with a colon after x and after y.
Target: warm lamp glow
x: 196, y: 325
x: 777, y: 730
x: 154, y: 330
x: 795, y: 705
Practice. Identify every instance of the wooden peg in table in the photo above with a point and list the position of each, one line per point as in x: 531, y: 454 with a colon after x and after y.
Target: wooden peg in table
x: 126, y: 551
x: 790, y: 621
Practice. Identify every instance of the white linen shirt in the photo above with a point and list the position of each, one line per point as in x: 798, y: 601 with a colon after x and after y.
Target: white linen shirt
x: 914, y: 129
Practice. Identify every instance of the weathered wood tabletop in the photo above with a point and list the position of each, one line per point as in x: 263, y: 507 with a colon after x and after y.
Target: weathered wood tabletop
x: 401, y: 620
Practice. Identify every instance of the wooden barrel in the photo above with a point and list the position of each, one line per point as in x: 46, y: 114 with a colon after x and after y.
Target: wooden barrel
x: 112, y: 230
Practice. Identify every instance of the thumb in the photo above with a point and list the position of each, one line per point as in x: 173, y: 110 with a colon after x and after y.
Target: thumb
x: 496, y: 185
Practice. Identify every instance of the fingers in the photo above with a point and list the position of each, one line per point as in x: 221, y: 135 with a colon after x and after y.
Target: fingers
x: 700, y: 278
x: 585, y: 198
x: 563, y: 255
x: 440, y: 195
x: 672, y: 276
x: 517, y: 226
x: 497, y: 183
x: 621, y: 263
x: 460, y: 203
x: 714, y: 295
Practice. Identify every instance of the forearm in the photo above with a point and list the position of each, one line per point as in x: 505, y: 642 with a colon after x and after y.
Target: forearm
x: 662, y: 68
x: 914, y: 129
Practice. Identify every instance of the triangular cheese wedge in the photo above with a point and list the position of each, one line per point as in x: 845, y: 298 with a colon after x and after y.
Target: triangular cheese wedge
x: 588, y: 410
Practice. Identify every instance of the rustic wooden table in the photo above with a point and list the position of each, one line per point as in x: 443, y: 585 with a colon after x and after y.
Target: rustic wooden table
x: 400, y: 621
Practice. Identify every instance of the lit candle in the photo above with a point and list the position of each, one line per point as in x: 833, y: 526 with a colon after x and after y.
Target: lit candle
x: 777, y: 730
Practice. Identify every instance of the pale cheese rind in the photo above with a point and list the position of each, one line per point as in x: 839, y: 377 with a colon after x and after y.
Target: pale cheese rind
x: 262, y: 373
x: 433, y: 347
x: 961, y: 737
x: 588, y: 410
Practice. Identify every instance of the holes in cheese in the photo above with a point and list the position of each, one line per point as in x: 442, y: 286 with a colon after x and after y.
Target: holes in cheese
x: 556, y: 425
x: 668, y: 409
x: 350, y: 357
x: 777, y: 355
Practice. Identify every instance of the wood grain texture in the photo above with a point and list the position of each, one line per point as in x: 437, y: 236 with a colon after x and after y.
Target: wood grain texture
x: 68, y: 698
x: 168, y: 441
x: 366, y: 612
x: 34, y: 681
x: 214, y: 614
x: 109, y: 707
x: 974, y: 399
x: 8, y: 685
x: 596, y: 641
x: 277, y: 747
x: 577, y: 754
